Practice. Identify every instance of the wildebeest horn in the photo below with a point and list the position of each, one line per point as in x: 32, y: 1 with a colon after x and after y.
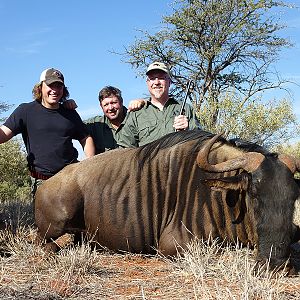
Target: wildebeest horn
x: 291, y: 162
x: 249, y: 161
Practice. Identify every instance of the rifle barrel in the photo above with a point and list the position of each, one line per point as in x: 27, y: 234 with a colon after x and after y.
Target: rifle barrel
x: 185, y: 98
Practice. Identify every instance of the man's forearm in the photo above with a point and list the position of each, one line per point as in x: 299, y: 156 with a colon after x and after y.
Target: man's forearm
x: 5, y: 134
x: 88, y: 147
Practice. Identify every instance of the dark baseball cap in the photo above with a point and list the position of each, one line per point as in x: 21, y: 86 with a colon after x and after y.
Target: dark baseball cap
x: 51, y: 75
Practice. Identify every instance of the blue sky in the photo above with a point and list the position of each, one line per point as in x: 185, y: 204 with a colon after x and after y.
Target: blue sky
x: 77, y: 37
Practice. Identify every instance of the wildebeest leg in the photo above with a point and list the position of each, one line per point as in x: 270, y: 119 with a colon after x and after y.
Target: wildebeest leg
x: 173, y: 240
x: 60, y: 232
x: 58, y: 211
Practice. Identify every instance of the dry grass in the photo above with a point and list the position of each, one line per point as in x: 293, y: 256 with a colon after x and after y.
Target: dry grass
x: 80, y: 272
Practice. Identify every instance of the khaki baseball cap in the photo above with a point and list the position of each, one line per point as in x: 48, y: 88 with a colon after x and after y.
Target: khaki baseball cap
x: 158, y: 66
x: 51, y: 75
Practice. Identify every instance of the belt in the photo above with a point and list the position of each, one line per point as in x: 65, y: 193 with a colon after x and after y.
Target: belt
x: 38, y: 175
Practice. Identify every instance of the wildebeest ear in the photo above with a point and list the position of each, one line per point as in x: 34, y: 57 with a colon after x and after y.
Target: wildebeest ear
x: 289, y: 161
x: 239, y: 182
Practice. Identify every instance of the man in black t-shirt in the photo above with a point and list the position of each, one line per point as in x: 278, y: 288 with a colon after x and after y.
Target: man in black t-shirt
x: 48, y: 128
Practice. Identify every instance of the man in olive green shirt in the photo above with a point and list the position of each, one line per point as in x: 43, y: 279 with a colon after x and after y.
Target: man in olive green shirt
x: 160, y: 115
x: 105, y: 130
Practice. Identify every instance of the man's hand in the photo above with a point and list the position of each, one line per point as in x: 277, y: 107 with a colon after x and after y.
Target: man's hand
x: 180, y: 123
x: 136, y: 104
x: 70, y: 104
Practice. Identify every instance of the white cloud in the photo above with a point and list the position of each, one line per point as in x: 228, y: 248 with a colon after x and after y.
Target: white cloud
x: 31, y: 48
x: 28, y: 42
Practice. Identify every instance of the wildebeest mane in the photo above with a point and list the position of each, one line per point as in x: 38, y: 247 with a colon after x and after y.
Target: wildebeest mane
x: 250, y: 147
x: 149, y: 151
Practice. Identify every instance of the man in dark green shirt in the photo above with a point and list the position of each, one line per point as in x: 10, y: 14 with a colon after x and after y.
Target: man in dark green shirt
x: 105, y: 130
x: 160, y: 115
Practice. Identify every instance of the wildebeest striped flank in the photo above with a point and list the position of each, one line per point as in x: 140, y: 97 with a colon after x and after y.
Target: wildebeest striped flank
x: 184, y: 185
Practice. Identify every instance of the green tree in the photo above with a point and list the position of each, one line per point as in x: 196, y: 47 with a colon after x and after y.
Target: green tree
x: 3, y: 108
x: 225, y: 47
x: 266, y: 123
x: 289, y: 148
x: 14, y: 179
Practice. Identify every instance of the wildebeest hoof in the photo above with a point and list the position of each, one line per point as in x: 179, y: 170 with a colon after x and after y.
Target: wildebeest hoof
x: 292, y: 272
x: 65, y: 240
x: 50, y: 248
x: 60, y: 243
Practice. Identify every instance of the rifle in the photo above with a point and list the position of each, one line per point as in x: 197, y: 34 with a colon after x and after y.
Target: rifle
x: 181, y: 112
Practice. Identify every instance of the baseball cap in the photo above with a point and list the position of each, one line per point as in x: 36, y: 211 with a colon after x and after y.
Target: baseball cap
x: 51, y: 75
x: 158, y: 66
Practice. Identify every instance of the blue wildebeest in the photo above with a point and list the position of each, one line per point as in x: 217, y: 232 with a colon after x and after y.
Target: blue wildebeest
x: 187, y: 184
